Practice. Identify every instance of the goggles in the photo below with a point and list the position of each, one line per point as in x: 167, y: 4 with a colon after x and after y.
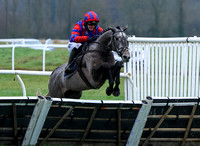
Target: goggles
x: 92, y: 23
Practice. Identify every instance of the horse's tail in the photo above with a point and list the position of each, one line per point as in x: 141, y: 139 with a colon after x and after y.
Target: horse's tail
x: 46, y: 95
x: 38, y: 93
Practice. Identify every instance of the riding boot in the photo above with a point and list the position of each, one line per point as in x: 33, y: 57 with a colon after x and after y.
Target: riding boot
x: 74, y: 53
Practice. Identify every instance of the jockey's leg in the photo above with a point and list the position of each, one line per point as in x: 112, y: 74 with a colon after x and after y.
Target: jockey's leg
x: 74, y: 53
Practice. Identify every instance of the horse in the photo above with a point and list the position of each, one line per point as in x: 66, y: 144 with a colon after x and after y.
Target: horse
x: 94, y: 67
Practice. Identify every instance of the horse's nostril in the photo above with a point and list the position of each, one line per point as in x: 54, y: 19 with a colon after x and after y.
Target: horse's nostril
x: 126, y: 58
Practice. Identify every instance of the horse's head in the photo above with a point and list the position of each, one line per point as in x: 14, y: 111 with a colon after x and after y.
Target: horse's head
x: 120, y: 42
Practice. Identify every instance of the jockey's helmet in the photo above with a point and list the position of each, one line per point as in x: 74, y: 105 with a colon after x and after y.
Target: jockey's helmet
x: 91, y: 18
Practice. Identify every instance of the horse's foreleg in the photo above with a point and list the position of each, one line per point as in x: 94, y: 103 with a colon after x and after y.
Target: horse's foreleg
x: 118, y: 66
x: 109, y: 90
x: 73, y: 94
x: 116, y: 90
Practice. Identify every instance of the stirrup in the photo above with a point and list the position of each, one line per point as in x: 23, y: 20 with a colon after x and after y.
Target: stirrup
x: 68, y: 70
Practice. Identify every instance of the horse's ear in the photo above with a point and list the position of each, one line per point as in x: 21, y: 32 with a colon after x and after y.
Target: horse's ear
x: 111, y: 28
x: 124, y: 27
x: 118, y: 27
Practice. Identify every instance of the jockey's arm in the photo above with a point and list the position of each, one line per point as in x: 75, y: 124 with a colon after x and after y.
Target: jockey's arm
x: 76, y: 35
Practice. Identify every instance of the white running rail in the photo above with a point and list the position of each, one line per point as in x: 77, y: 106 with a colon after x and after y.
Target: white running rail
x: 163, y: 67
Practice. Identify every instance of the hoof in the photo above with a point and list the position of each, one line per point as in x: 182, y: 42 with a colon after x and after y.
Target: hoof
x: 116, y: 92
x: 109, y: 91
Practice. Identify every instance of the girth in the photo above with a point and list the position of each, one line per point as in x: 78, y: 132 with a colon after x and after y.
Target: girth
x: 83, y: 77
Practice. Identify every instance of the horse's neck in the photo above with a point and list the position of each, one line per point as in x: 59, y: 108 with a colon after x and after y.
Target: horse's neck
x: 105, y: 38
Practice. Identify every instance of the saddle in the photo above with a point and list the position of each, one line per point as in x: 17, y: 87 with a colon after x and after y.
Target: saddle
x: 74, y: 64
x: 68, y: 75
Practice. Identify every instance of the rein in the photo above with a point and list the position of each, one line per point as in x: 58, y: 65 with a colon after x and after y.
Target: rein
x: 109, y: 48
x: 97, y: 51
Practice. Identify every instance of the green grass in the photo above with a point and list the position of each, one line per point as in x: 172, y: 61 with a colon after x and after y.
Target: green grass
x: 29, y: 59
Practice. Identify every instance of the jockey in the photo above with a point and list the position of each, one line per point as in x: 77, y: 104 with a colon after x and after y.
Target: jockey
x: 83, y: 31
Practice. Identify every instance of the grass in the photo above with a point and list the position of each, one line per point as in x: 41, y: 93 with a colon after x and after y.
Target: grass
x: 29, y: 59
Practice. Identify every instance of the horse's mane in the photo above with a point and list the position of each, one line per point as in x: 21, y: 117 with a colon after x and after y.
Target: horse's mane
x: 110, y: 28
x: 101, y: 33
x: 105, y: 30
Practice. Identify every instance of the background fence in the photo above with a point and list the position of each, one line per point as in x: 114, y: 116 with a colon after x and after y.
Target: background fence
x: 163, y: 67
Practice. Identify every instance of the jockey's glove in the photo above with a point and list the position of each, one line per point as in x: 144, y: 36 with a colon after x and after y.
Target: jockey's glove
x: 91, y: 39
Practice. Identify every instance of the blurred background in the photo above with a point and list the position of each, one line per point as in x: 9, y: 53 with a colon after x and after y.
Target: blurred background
x: 55, y: 19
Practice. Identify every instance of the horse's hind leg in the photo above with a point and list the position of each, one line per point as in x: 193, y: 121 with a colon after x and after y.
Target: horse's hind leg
x: 73, y: 94
x: 46, y: 95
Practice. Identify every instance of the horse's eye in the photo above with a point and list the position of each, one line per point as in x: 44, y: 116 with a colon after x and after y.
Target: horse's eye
x: 117, y: 39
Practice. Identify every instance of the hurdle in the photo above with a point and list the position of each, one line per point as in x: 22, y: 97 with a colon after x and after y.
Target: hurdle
x: 156, y: 120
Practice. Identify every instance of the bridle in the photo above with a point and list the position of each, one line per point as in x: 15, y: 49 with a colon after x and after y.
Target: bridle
x: 113, y: 45
x: 121, y: 50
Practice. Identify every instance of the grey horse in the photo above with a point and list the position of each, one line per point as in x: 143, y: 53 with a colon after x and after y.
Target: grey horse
x: 94, y: 67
